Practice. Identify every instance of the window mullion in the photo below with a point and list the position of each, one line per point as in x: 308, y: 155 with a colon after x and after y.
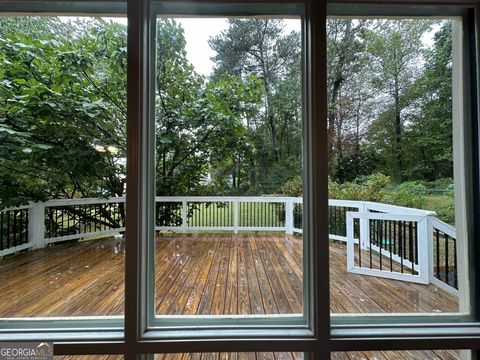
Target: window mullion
x: 138, y: 174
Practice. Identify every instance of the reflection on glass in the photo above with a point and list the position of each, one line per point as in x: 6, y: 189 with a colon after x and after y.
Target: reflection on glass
x: 229, y: 167
x: 62, y: 166
x: 392, y: 218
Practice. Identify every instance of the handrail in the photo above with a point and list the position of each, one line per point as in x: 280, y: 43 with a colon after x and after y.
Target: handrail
x: 69, y: 219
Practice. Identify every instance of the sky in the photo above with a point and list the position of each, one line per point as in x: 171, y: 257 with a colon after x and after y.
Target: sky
x: 199, y: 30
x: 197, y: 33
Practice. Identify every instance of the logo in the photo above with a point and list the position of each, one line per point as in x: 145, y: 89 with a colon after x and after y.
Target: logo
x: 26, y: 351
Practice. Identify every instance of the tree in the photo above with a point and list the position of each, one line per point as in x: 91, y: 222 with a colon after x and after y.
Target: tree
x: 60, y: 116
x: 395, y: 50
x: 199, y: 123
x: 346, y: 64
x: 429, y: 134
x: 259, y: 47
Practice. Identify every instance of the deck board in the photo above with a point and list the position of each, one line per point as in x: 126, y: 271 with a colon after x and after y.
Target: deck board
x: 223, y: 273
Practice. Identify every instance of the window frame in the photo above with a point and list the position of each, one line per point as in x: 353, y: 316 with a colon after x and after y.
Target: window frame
x: 90, y: 337
x: 164, y: 323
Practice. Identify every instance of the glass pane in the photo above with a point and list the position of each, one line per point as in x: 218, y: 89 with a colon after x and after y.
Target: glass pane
x: 401, y: 355
x: 62, y: 166
x: 393, y: 244
x: 229, y: 167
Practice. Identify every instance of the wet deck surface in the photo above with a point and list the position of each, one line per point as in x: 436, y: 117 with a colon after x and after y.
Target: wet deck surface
x: 377, y: 355
x: 205, y: 274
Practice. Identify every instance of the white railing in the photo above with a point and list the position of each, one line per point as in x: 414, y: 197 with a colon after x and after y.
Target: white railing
x: 70, y: 219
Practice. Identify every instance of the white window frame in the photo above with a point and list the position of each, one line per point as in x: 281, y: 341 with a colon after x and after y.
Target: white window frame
x: 318, y: 337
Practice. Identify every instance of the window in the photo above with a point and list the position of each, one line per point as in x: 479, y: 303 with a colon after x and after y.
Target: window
x: 311, y: 330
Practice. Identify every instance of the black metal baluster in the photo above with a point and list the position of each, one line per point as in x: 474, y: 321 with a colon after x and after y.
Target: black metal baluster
x: 9, y: 244
x: 400, y: 244
x: 447, y: 268
x: 21, y: 224
x: 390, y: 243
x: 437, y: 262
x: 27, y: 221
x: 380, y: 223
x: 395, y: 237
x: 455, y: 274
x: 359, y: 246
x: 14, y: 227
x: 372, y: 228
x: 1, y: 230
x: 410, y: 244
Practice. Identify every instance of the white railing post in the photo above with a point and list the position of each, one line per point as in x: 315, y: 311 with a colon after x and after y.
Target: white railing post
x: 429, y: 236
x: 349, y: 222
x: 289, y: 217
x: 36, y: 225
x: 423, y: 250
x: 184, y: 215
x: 235, y: 216
x: 364, y: 227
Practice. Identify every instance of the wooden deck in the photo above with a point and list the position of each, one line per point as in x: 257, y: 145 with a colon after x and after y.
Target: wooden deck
x: 204, y: 274
x: 366, y: 355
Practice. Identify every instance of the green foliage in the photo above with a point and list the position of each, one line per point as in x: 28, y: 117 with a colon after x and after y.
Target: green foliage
x: 63, y: 114
x: 55, y: 115
x: 63, y: 111
x: 366, y: 188
x: 257, y: 47
x: 443, y: 205
x: 409, y: 194
x: 293, y: 187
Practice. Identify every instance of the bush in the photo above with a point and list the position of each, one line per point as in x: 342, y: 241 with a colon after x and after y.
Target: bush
x: 293, y: 187
x: 409, y: 194
x: 443, y: 205
x: 367, y: 188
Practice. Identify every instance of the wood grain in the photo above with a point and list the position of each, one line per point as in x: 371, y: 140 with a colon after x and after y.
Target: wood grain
x: 208, y: 274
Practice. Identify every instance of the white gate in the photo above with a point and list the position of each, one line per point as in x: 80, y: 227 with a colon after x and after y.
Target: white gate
x: 392, y: 246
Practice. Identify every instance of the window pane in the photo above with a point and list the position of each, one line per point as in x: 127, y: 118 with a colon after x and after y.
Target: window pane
x: 394, y: 245
x: 62, y: 166
x: 229, y: 167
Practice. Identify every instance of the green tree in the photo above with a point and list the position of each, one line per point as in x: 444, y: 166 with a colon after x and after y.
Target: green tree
x: 259, y: 47
x: 346, y: 94
x: 69, y: 145
x: 429, y: 146
x: 199, y: 123
x: 395, y: 49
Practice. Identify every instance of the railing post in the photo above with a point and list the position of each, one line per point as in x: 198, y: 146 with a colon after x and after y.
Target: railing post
x: 289, y: 217
x: 36, y: 225
x: 235, y: 216
x: 184, y: 215
x: 364, y: 227
x: 429, y: 236
x: 423, y: 249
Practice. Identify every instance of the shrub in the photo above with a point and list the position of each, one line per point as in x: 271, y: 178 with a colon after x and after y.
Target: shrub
x: 409, y: 194
x: 293, y: 187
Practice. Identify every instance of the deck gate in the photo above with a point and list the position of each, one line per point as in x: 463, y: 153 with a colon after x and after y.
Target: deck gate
x: 392, y: 246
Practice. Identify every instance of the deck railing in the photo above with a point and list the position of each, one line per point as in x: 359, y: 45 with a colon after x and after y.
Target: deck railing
x: 384, y: 240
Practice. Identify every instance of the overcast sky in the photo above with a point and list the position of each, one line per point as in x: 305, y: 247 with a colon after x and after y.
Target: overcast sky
x: 199, y: 30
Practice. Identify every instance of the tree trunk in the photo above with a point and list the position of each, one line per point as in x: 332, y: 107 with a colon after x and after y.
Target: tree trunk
x: 398, y: 167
